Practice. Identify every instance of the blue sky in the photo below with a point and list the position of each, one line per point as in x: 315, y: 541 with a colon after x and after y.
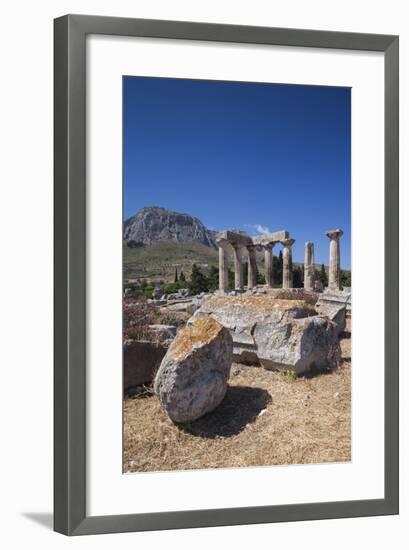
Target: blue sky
x: 251, y: 156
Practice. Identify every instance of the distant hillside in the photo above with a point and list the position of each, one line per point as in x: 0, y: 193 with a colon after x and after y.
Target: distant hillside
x: 159, y: 260
x: 153, y: 224
x: 158, y: 241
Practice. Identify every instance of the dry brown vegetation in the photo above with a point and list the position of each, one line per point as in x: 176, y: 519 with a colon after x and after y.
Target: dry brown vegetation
x: 139, y: 314
x: 266, y: 418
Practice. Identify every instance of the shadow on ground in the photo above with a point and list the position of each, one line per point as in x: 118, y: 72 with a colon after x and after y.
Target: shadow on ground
x: 241, y: 405
x: 41, y: 518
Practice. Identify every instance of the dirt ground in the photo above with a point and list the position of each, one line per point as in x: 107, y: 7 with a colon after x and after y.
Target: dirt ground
x: 266, y: 418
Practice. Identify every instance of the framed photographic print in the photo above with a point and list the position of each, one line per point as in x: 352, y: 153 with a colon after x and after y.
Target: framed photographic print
x: 226, y: 275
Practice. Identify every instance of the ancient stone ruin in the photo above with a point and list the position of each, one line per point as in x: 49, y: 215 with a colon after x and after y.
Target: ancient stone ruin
x: 277, y: 333
x: 281, y: 329
x: 309, y: 266
x: 334, y: 278
x: 242, y: 244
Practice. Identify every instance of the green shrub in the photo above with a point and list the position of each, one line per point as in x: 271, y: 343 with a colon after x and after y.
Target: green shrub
x: 345, y: 278
x: 147, y: 291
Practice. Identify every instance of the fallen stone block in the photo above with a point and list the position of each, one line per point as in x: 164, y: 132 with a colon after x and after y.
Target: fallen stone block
x: 301, y: 345
x: 241, y: 314
x: 334, y: 312
x: 189, y: 306
x: 141, y: 360
x: 278, y: 333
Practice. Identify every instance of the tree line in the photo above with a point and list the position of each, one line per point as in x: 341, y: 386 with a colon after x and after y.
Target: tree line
x: 208, y: 281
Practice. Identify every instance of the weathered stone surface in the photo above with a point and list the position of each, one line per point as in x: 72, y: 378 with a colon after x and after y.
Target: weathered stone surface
x: 156, y: 302
x: 300, y: 345
x: 234, y: 238
x: 141, y: 360
x: 337, y: 297
x: 278, y: 333
x: 287, y: 263
x: 268, y: 264
x: 334, y: 310
x: 252, y: 266
x: 190, y: 306
x: 334, y: 270
x: 157, y: 293
x: 192, y: 378
x: 309, y: 266
x: 162, y: 333
x: 240, y: 314
x: 181, y: 294
x: 271, y: 238
x: 223, y: 266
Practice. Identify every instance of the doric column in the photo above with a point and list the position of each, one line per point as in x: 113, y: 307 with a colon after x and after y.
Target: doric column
x: 223, y: 266
x: 287, y: 261
x: 238, y: 267
x: 334, y: 276
x: 268, y: 263
x: 252, y: 266
x: 309, y: 267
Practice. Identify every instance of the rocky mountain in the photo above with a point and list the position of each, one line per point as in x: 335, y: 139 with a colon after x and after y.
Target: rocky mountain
x: 153, y: 224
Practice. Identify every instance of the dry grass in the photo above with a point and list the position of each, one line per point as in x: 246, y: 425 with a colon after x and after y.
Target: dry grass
x: 266, y: 418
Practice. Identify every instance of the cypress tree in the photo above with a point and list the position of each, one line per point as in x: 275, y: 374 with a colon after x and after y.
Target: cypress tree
x: 323, y: 276
x: 213, y: 278
x: 297, y: 277
x: 278, y: 269
x: 345, y: 278
x: 198, y: 281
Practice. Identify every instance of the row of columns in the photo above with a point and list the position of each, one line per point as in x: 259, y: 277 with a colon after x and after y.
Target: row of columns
x: 252, y: 265
x: 334, y: 280
x: 238, y: 266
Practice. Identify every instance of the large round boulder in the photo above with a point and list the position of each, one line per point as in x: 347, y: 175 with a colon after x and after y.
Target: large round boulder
x: 192, y: 378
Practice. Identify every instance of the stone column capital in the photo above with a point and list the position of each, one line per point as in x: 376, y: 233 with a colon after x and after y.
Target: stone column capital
x: 288, y: 243
x: 222, y: 243
x: 334, y: 234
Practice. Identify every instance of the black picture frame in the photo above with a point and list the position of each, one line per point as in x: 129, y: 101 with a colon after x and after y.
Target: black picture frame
x: 70, y: 34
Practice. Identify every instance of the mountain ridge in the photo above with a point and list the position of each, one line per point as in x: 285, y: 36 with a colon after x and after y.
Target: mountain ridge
x: 153, y: 224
